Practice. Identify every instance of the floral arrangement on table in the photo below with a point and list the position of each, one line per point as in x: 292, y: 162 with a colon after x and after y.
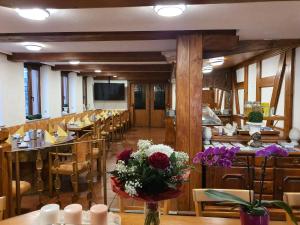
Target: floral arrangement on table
x: 253, y: 212
x: 152, y: 173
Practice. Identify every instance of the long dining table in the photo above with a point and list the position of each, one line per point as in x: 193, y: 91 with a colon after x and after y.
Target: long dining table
x: 138, y: 219
x: 11, y: 153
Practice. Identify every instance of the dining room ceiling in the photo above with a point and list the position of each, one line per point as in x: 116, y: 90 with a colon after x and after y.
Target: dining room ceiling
x: 252, y: 21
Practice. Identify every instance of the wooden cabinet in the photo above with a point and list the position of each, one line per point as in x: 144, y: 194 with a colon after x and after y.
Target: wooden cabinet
x: 282, y: 175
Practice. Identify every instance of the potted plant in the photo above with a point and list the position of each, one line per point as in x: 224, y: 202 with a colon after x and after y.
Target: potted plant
x: 255, y: 119
x: 151, y: 174
x: 255, y: 211
x: 65, y: 107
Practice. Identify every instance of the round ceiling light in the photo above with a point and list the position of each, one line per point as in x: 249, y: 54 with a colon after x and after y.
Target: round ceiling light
x: 216, y: 61
x: 208, y: 68
x: 33, y: 14
x: 74, y: 62
x: 33, y: 46
x: 170, y: 10
x: 115, y: 76
x: 97, y: 71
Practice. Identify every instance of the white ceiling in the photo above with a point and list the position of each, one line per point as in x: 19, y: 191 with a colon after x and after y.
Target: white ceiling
x: 268, y: 20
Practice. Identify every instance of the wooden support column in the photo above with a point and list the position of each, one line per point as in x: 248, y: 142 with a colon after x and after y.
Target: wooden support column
x: 189, y: 108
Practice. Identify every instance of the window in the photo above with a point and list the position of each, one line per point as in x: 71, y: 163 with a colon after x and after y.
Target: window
x: 65, y: 92
x: 84, y: 91
x: 32, y: 89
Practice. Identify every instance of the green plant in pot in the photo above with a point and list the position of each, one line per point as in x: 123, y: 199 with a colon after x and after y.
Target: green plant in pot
x: 254, y: 211
x: 255, y: 120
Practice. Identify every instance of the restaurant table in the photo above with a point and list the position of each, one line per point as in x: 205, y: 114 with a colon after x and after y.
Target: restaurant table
x: 79, y: 129
x: 138, y: 219
x: 11, y: 153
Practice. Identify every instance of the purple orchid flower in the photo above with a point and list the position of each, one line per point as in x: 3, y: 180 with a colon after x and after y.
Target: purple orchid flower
x: 216, y: 156
x: 272, y: 150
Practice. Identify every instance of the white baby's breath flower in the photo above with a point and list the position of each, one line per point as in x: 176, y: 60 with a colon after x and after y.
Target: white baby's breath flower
x: 131, y: 186
x: 181, y: 158
x: 138, y: 155
x: 143, y: 145
x: 121, y: 167
x: 159, y: 148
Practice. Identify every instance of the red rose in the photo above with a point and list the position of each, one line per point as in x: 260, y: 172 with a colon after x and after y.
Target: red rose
x: 124, y: 155
x: 159, y: 160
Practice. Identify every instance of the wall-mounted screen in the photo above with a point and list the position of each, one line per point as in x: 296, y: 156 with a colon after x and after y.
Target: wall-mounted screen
x: 109, y: 91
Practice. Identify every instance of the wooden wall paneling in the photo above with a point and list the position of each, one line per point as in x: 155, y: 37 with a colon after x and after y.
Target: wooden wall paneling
x: 267, y: 81
x: 277, y: 85
x: 189, y: 108
x: 289, y: 91
x: 246, y: 70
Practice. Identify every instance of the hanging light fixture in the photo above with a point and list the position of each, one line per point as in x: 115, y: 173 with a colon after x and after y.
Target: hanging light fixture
x: 208, y: 68
x: 216, y: 61
x: 169, y: 10
x: 33, y: 14
x: 98, y: 71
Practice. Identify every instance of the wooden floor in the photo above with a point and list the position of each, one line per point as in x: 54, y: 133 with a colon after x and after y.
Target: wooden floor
x: 30, y: 202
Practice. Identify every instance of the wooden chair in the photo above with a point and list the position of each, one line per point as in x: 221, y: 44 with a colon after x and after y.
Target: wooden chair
x: 2, y: 206
x: 71, y: 164
x: 200, y: 198
x: 293, y: 200
x: 165, y: 206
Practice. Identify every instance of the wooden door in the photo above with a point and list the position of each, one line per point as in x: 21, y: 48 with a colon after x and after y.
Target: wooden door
x: 141, y: 105
x: 158, y: 102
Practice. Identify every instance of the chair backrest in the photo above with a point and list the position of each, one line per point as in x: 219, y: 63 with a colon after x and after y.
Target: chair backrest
x: 2, y: 206
x: 293, y: 200
x: 200, y: 197
x: 83, y: 146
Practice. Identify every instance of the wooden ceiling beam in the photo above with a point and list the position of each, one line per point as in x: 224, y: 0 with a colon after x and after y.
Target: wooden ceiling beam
x: 129, y: 74
x: 254, y: 45
x: 88, y: 57
x: 115, y: 67
x: 153, y: 79
x: 59, y: 4
x: 213, y: 40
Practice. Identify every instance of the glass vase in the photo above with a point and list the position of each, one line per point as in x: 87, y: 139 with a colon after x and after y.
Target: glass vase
x: 152, y: 214
x: 249, y: 219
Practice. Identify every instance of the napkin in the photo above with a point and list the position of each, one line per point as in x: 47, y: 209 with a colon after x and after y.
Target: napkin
x: 49, y: 138
x: 87, y: 121
x: 71, y: 120
x: 8, y: 141
x: 61, y: 132
x: 20, y: 131
x: 78, y: 123
x: 63, y: 121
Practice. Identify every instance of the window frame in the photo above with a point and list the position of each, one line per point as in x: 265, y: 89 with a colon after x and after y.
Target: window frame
x: 63, y: 75
x: 30, y: 67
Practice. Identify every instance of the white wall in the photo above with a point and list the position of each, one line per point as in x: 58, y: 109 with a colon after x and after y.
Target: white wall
x: 296, y: 111
x: 90, y: 93
x: 12, y: 99
x: 75, y: 93
x: 50, y: 92
x: 112, y: 104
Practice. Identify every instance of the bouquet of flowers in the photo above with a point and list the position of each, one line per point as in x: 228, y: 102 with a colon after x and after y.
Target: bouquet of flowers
x: 152, y: 173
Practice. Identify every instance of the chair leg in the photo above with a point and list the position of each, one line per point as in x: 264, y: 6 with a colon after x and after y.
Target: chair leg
x: 50, y: 184
x: 74, y: 180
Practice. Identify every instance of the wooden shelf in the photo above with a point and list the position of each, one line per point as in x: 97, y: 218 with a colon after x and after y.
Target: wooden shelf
x: 265, y: 118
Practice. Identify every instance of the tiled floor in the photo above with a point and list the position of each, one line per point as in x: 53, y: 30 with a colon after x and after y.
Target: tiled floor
x: 30, y: 202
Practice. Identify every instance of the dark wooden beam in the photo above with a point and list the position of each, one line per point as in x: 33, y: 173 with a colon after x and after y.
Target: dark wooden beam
x: 59, y: 4
x: 254, y: 45
x: 213, y: 40
x: 129, y: 74
x: 88, y: 57
x: 116, y: 67
x: 134, y: 78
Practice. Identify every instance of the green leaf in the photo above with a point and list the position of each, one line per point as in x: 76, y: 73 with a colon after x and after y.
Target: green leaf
x: 282, y: 205
x: 227, y: 197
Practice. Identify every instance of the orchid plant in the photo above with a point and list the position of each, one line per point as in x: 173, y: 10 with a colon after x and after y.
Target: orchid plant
x: 224, y: 157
